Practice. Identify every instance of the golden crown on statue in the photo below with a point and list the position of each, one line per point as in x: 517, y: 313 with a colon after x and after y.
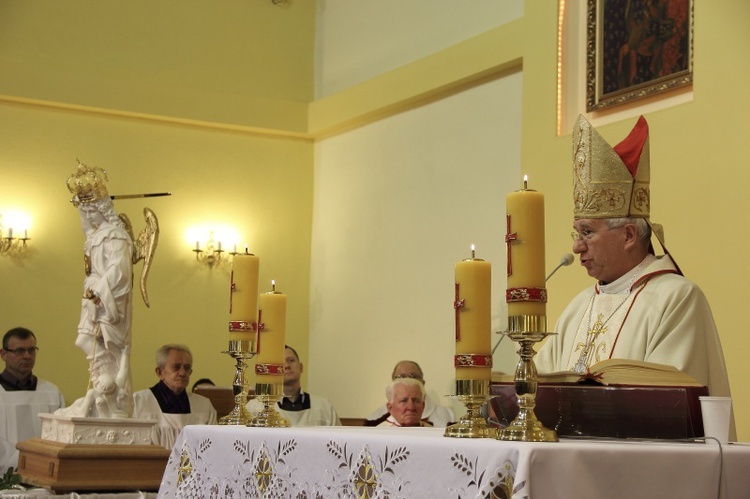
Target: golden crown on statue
x: 87, y: 184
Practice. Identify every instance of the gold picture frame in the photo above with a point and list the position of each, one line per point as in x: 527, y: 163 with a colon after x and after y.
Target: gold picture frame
x: 636, y: 49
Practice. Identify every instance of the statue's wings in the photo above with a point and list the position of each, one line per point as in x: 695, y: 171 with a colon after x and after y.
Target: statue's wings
x: 144, y: 246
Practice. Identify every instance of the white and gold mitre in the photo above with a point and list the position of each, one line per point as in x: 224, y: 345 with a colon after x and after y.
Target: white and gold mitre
x: 88, y: 184
x: 610, y: 182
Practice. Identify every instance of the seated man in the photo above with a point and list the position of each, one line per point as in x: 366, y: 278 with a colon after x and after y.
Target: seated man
x: 22, y: 395
x: 300, y: 408
x: 405, y: 403
x: 434, y: 413
x: 168, y: 401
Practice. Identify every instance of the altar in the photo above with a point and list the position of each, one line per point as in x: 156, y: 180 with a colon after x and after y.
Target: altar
x: 237, y: 461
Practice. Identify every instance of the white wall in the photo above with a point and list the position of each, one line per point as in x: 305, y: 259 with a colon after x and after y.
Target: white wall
x: 360, y: 39
x: 396, y: 204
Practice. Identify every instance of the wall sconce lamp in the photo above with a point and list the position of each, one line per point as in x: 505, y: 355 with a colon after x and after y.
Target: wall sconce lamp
x: 212, y: 254
x: 10, y: 243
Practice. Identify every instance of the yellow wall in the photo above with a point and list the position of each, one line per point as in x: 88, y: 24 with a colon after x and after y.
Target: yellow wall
x: 698, y: 171
x: 167, y: 96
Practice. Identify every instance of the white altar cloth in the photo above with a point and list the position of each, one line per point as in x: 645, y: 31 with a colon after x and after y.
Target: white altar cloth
x: 345, y: 462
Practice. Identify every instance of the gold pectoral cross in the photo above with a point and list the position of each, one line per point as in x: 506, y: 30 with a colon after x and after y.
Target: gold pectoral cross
x: 597, y: 328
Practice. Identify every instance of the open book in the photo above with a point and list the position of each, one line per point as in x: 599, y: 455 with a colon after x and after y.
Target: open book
x: 617, y: 372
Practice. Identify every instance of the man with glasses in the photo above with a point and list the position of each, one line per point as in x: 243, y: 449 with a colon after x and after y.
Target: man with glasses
x: 437, y: 415
x: 641, y: 306
x: 22, y: 395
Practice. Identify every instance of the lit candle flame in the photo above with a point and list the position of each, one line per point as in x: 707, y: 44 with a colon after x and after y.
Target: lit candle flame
x: 472, y: 251
x: 525, y: 182
x: 273, y: 285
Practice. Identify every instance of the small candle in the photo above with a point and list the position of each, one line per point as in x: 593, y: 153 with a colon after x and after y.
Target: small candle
x: 197, y: 246
x: 25, y: 233
x: 234, y: 249
x: 219, y: 247
x: 272, y: 337
x: 473, y: 278
x: 10, y: 232
x: 243, y: 304
x: 525, y: 249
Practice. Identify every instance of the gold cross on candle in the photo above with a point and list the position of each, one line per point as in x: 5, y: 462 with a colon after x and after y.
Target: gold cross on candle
x: 232, y: 287
x: 457, y: 305
x: 509, y: 238
x: 261, y: 327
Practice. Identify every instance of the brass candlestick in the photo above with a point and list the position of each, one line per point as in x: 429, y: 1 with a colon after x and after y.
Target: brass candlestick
x: 526, y: 427
x: 241, y: 351
x: 268, y: 394
x: 472, y: 393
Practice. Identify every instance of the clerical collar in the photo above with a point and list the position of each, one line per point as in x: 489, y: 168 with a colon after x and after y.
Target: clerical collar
x: 625, y: 282
x: 423, y: 422
x: 302, y: 403
x: 393, y: 421
x: 169, y: 401
x: 13, y: 384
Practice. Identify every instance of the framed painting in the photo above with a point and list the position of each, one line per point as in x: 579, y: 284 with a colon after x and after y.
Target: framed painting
x: 636, y: 49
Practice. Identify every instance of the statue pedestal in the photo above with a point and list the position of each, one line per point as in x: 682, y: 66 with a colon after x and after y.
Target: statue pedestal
x: 115, y: 431
x: 76, y: 454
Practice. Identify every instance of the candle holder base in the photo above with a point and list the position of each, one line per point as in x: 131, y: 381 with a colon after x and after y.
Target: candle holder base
x: 473, y: 394
x: 241, y: 351
x: 268, y: 394
x: 526, y: 427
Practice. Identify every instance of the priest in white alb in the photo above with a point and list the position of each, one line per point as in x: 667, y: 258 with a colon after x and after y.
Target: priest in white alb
x: 169, y: 402
x: 23, y: 396
x: 641, y: 306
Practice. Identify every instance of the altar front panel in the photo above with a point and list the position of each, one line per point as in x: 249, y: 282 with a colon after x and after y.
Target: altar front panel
x: 332, y: 462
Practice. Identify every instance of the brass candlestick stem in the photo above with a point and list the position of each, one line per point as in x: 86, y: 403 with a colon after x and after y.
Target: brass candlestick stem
x: 526, y: 427
x: 268, y: 394
x: 472, y: 393
x: 241, y: 351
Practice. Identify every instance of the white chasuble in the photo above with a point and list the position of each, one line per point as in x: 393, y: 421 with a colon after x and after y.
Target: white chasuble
x: 669, y: 321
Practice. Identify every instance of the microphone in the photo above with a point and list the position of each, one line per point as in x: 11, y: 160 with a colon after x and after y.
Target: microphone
x: 566, y: 260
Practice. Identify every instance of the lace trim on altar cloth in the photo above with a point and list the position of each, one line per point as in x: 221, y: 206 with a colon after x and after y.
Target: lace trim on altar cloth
x: 264, y: 472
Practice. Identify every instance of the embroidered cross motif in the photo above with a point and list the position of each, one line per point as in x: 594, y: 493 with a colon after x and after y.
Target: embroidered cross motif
x: 509, y: 238
x: 597, y: 328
